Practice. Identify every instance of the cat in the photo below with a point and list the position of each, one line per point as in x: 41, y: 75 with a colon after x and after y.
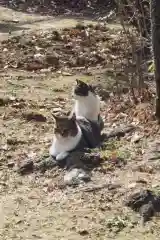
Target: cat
x: 87, y: 103
x: 72, y: 134
x: 67, y: 135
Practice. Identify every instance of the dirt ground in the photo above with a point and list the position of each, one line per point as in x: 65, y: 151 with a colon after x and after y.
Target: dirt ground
x: 33, y: 206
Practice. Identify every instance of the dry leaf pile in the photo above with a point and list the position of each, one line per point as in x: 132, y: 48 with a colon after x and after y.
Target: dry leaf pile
x: 70, y: 49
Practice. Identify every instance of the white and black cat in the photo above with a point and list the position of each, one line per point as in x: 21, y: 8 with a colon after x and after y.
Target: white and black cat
x: 71, y: 134
x: 87, y: 103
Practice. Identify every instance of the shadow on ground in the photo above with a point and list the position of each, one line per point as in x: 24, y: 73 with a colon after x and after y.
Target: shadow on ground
x: 59, y: 7
x: 8, y: 27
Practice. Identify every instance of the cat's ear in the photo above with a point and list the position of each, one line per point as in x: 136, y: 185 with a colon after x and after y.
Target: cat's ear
x: 79, y: 82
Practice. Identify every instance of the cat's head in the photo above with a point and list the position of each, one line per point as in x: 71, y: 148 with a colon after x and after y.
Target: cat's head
x: 82, y: 89
x: 65, y: 126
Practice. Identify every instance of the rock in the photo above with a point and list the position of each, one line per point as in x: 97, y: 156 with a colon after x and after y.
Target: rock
x: 11, y: 164
x: 55, y: 110
x: 31, y: 116
x: 33, y: 66
x: 136, y: 138
x: 146, y: 211
x: 138, y: 199
x: 82, y: 60
x: 4, y: 101
x: 45, y: 70
x: 4, y: 147
x: 24, y: 41
x: 142, y: 181
x: 83, y: 232
x: 38, y: 49
x: 132, y: 185
x: 39, y: 57
x: 146, y: 203
x: 6, y: 66
x: 56, y: 36
x: 26, y: 167
x: 5, y: 50
x: 52, y: 59
x: 67, y: 74
x: 76, y: 176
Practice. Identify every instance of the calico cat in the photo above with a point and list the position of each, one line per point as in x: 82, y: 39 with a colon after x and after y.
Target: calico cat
x: 71, y: 134
x: 87, y: 103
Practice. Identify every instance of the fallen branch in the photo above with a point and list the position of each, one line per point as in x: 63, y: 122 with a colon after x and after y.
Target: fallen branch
x: 110, y: 186
x: 118, y: 132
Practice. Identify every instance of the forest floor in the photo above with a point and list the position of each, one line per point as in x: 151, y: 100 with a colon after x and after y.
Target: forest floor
x: 40, y: 58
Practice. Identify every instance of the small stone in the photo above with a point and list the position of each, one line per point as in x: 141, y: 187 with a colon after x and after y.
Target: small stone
x: 5, y: 50
x: 52, y: 59
x: 76, y: 176
x: 26, y: 167
x: 4, y: 101
x: 31, y: 116
x: 11, y: 164
x: 136, y: 138
x: 55, y: 110
x: 15, y: 21
x: 83, y: 232
x: 34, y: 66
x: 66, y: 74
x: 38, y: 48
x: 132, y: 185
x: 39, y: 57
x: 142, y: 181
x: 45, y: 70
x: 33, y: 195
x: 4, y: 147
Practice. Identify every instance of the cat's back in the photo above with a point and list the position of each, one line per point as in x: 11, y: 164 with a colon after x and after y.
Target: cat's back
x: 91, y: 132
x: 88, y: 107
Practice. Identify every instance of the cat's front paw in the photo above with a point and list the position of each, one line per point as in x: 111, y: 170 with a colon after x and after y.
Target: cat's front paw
x: 62, y: 156
x: 52, y: 151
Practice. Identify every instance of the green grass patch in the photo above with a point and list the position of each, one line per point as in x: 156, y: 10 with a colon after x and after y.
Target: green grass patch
x: 114, y: 148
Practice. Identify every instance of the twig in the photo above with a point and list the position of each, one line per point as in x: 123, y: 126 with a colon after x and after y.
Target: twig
x: 110, y: 186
